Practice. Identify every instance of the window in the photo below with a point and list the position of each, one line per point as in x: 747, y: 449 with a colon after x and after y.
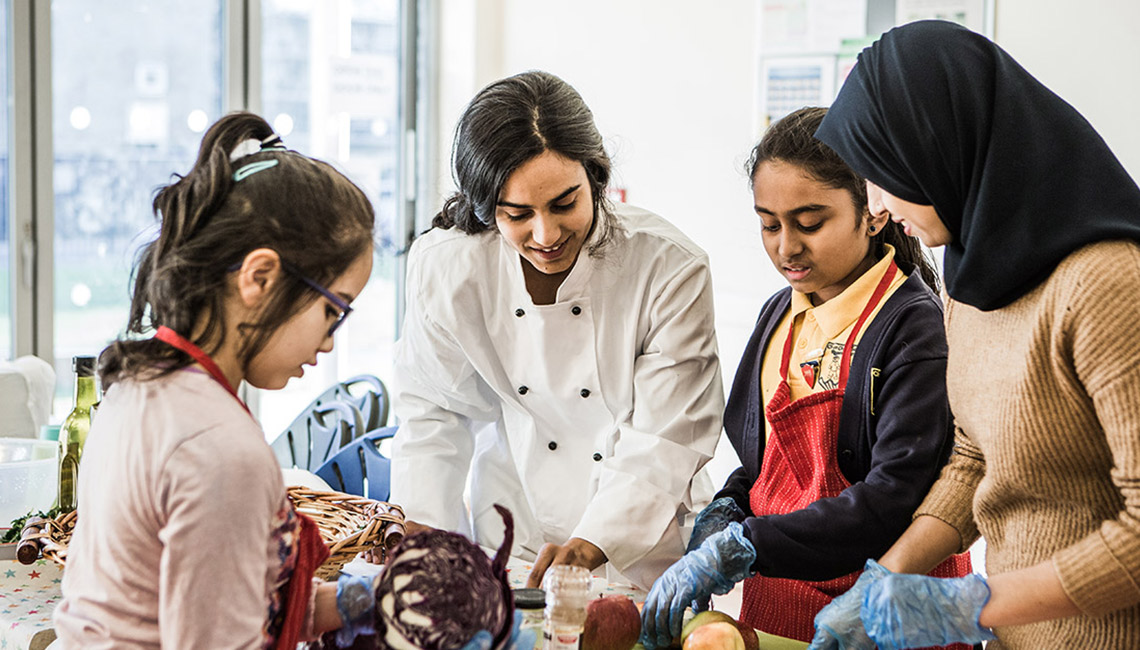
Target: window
x: 134, y: 86
x: 5, y: 156
x: 330, y: 87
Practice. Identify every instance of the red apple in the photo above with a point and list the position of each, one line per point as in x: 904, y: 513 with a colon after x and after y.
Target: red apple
x: 612, y: 623
x: 751, y: 639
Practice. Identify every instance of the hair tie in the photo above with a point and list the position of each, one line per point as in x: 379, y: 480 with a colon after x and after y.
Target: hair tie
x: 245, y: 148
x: 272, y: 142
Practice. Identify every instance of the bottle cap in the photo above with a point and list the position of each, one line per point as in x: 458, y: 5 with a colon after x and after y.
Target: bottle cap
x: 530, y: 598
x: 83, y: 366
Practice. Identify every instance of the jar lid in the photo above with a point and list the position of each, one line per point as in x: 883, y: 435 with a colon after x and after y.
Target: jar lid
x: 530, y: 598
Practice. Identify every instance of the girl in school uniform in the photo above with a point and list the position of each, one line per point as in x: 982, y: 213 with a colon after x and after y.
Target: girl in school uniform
x: 838, y: 411
x: 185, y: 536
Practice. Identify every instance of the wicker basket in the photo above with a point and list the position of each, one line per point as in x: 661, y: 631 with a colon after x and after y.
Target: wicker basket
x: 348, y: 524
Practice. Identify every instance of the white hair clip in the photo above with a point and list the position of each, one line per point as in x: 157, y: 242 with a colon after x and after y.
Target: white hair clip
x: 245, y: 148
x: 252, y: 146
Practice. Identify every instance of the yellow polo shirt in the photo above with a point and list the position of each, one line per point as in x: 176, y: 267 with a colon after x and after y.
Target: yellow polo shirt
x: 821, y: 332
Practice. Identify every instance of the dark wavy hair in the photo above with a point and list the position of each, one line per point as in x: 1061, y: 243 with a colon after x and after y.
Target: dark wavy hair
x: 317, y: 220
x: 510, y: 122
x: 792, y: 140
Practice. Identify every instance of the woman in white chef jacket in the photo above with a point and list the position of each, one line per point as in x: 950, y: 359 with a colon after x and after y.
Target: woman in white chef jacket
x: 558, y: 352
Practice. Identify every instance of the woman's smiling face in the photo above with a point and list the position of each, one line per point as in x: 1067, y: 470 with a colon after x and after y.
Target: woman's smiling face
x: 812, y: 232
x: 917, y: 220
x: 545, y: 211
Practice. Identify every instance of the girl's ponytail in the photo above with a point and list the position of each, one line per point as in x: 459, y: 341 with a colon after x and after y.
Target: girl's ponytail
x: 245, y: 191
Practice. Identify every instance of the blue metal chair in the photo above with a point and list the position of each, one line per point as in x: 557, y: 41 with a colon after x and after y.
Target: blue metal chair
x: 332, y: 420
x: 372, y: 402
x: 359, y: 468
x: 316, y: 434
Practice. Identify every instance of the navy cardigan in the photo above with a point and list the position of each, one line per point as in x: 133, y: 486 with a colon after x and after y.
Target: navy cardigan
x: 895, y: 433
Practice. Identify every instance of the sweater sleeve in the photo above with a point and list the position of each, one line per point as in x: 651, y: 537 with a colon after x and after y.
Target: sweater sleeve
x: 737, y: 488
x: 952, y: 497
x: 1101, y: 572
x: 910, y: 440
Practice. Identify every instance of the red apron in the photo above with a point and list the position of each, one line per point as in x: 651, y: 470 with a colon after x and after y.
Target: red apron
x: 311, y: 551
x: 799, y: 468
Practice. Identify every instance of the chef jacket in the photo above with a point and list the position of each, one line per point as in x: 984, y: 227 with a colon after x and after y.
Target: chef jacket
x: 590, y: 417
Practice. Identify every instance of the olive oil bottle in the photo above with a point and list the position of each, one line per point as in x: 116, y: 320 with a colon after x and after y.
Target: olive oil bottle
x: 73, y: 432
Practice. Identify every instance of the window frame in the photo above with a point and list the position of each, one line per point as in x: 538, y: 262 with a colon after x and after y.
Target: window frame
x: 31, y: 201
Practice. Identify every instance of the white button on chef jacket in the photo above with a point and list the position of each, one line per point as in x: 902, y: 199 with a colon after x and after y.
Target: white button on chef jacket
x: 514, y: 401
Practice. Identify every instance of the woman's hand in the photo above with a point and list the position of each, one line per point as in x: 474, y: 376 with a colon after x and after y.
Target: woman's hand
x: 412, y: 527
x: 577, y: 552
x: 838, y: 626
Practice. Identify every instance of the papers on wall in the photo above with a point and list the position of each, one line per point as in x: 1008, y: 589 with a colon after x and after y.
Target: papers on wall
x: 972, y: 14
x: 799, y: 45
x: 796, y: 27
x: 790, y: 83
x: 807, y: 47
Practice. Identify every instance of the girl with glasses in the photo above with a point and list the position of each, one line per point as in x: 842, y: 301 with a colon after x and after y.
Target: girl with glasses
x: 185, y: 536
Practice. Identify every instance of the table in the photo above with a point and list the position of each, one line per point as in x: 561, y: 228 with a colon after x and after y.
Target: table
x: 28, y: 595
x: 517, y: 573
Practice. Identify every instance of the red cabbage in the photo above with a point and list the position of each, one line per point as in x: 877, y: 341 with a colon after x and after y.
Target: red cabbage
x: 438, y: 589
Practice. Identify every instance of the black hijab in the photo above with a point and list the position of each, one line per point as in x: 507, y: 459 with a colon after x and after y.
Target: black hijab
x: 938, y: 115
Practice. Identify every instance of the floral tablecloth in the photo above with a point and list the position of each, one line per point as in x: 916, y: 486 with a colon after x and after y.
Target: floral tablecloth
x: 28, y: 595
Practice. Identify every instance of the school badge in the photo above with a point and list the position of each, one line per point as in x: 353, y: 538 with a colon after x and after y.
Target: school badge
x: 809, y: 369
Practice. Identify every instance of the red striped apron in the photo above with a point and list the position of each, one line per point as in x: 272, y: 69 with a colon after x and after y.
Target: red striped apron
x: 800, y: 467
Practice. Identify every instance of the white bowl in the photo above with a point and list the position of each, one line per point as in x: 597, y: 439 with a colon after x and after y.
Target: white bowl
x: 29, y: 477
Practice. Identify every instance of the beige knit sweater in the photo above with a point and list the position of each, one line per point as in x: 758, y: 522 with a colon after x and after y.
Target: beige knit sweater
x: 1046, y: 463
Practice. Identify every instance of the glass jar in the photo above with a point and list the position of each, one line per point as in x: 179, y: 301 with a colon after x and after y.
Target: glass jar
x: 567, y: 591
x: 531, y: 603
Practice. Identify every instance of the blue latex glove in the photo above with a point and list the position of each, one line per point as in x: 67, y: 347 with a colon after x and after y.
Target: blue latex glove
x: 713, y: 519
x: 838, y: 626
x: 356, y: 602
x: 913, y: 611
x: 724, y: 559
x: 482, y: 640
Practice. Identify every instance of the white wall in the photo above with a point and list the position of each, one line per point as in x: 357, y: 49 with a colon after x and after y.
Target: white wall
x: 1087, y: 52
x: 672, y: 84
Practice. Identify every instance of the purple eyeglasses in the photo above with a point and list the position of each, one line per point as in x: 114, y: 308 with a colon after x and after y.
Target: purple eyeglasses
x: 344, y: 307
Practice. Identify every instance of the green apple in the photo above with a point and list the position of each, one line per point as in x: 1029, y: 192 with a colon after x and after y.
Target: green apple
x: 704, y: 618
x: 718, y: 635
